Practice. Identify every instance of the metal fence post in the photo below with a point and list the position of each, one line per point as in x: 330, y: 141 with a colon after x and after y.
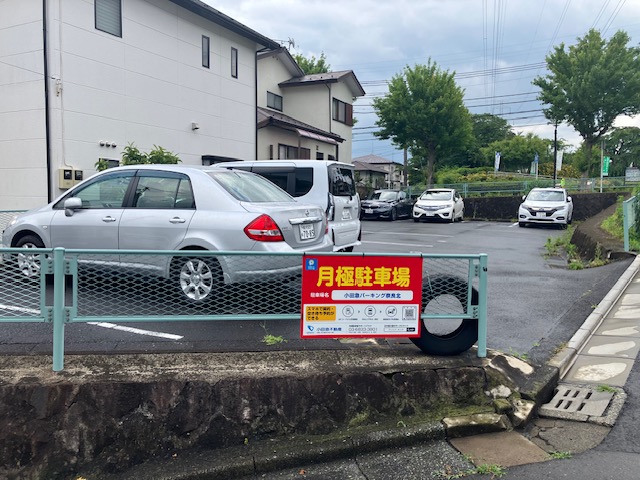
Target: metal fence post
x: 58, y: 309
x: 482, y: 306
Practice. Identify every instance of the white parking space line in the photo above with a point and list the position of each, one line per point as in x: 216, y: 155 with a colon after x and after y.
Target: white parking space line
x: 139, y: 331
x: 12, y: 308
x: 417, y: 234
x: 113, y: 326
x: 402, y: 244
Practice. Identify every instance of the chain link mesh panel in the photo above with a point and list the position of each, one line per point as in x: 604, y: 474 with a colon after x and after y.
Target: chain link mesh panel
x: 198, y: 283
x: 20, y: 294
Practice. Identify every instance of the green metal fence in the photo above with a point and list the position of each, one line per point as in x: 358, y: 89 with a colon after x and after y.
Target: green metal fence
x: 83, y: 286
x: 522, y: 187
x: 628, y: 219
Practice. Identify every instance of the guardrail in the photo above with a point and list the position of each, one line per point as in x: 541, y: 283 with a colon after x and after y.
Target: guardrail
x: 64, y: 286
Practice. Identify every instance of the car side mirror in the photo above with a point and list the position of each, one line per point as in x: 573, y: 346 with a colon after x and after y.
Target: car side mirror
x: 569, y: 199
x: 524, y: 197
x: 71, y: 205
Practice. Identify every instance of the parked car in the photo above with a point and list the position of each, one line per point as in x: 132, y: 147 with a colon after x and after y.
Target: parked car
x: 546, y: 206
x: 328, y: 183
x: 439, y: 203
x: 389, y: 204
x: 171, y: 207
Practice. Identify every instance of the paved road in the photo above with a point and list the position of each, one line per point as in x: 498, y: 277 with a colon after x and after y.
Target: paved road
x: 533, y: 306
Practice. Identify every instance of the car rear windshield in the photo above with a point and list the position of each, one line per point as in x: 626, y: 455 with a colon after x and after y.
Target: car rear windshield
x: 248, y: 187
x: 383, y: 195
x: 436, y: 195
x: 341, y: 181
x: 546, y: 196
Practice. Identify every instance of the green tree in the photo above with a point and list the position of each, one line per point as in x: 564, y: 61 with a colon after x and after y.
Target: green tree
x: 591, y: 84
x: 131, y: 155
x: 489, y: 128
x: 424, y: 112
x: 623, y: 146
x: 517, y: 152
x: 312, y: 65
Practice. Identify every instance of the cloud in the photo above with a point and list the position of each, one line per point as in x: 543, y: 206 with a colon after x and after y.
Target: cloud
x: 495, y: 47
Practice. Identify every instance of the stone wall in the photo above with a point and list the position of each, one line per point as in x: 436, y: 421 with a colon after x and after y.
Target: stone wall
x: 108, y: 413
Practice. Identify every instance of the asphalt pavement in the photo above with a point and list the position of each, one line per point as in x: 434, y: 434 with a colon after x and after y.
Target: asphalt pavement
x: 589, y: 430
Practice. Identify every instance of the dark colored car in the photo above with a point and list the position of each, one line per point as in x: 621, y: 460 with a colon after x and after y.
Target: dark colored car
x: 388, y: 204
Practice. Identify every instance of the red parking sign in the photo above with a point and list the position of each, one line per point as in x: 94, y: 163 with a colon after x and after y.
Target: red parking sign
x: 361, y: 296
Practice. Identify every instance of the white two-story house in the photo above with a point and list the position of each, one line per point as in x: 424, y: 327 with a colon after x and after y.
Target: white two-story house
x: 304, y: 116
x: 81, y: 79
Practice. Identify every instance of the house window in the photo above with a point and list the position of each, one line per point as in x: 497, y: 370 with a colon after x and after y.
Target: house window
x: 288, y: 152
x: 234, y: 62
x: 108, y: 16
x: 274, y: 101
x: 205, y: 51
x: 342, y: 112
x: 319, y: 156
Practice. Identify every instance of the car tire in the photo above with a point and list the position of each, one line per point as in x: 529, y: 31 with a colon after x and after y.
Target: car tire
x: 347, y: 249
x: 393, y: 216
x: 522, y: 224
x: 198, y: 279
x: 461, y: 338
x: 416, y: 220
x: 28, y: 264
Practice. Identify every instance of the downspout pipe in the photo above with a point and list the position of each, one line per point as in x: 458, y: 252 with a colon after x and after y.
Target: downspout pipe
x: 47, y: 126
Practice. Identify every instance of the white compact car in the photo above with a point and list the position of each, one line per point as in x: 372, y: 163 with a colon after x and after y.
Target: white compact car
x: 172, y: 207
x: 546, y: 206
x: 439, y: 204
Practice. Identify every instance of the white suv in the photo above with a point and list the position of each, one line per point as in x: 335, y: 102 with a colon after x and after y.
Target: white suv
x: 546, y: 206
x: 327, y: 183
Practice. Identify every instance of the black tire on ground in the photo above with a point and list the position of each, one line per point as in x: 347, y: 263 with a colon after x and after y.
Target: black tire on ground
x: 394, y: 215
x: 461, y: 338
x: 416, y: 220
x: 28, y: 264
x: 348, y: 249
x: 198, y: 279
x: 522, y: 224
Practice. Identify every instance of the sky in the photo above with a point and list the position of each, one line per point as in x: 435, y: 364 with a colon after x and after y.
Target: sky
x: 495, y: 47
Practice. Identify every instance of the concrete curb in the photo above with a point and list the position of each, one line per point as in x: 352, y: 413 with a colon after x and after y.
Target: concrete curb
x: 564, y: 359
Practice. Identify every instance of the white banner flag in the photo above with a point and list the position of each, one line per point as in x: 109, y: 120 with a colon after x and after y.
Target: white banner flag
x: 559, y: 161
x: 496, y: 163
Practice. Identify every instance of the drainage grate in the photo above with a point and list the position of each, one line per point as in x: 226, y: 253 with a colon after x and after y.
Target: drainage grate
x: 584, y: 400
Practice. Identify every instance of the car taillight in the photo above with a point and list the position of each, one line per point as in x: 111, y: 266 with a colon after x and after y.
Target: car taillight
x: 264, y: 229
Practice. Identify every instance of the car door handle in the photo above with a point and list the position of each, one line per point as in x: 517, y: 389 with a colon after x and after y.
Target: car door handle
x: 177, y: 220
x: 108, y: 219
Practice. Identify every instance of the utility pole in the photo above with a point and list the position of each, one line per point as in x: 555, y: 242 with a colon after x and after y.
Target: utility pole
x: 555, y: 153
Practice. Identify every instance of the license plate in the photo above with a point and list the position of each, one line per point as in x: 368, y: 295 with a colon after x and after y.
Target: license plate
x: 307, y: 232
x: 346, y: 215
x: 541, y: 214
x: 368, y: 210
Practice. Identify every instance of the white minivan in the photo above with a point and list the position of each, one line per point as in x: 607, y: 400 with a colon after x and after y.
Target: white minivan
x: 327, y: 183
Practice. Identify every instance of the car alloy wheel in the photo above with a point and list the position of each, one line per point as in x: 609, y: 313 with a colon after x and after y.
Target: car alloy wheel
x: 29, y: 263
x: 198, y: 277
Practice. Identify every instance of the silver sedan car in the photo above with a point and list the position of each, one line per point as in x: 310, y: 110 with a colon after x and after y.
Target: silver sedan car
x: 171, y: 207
